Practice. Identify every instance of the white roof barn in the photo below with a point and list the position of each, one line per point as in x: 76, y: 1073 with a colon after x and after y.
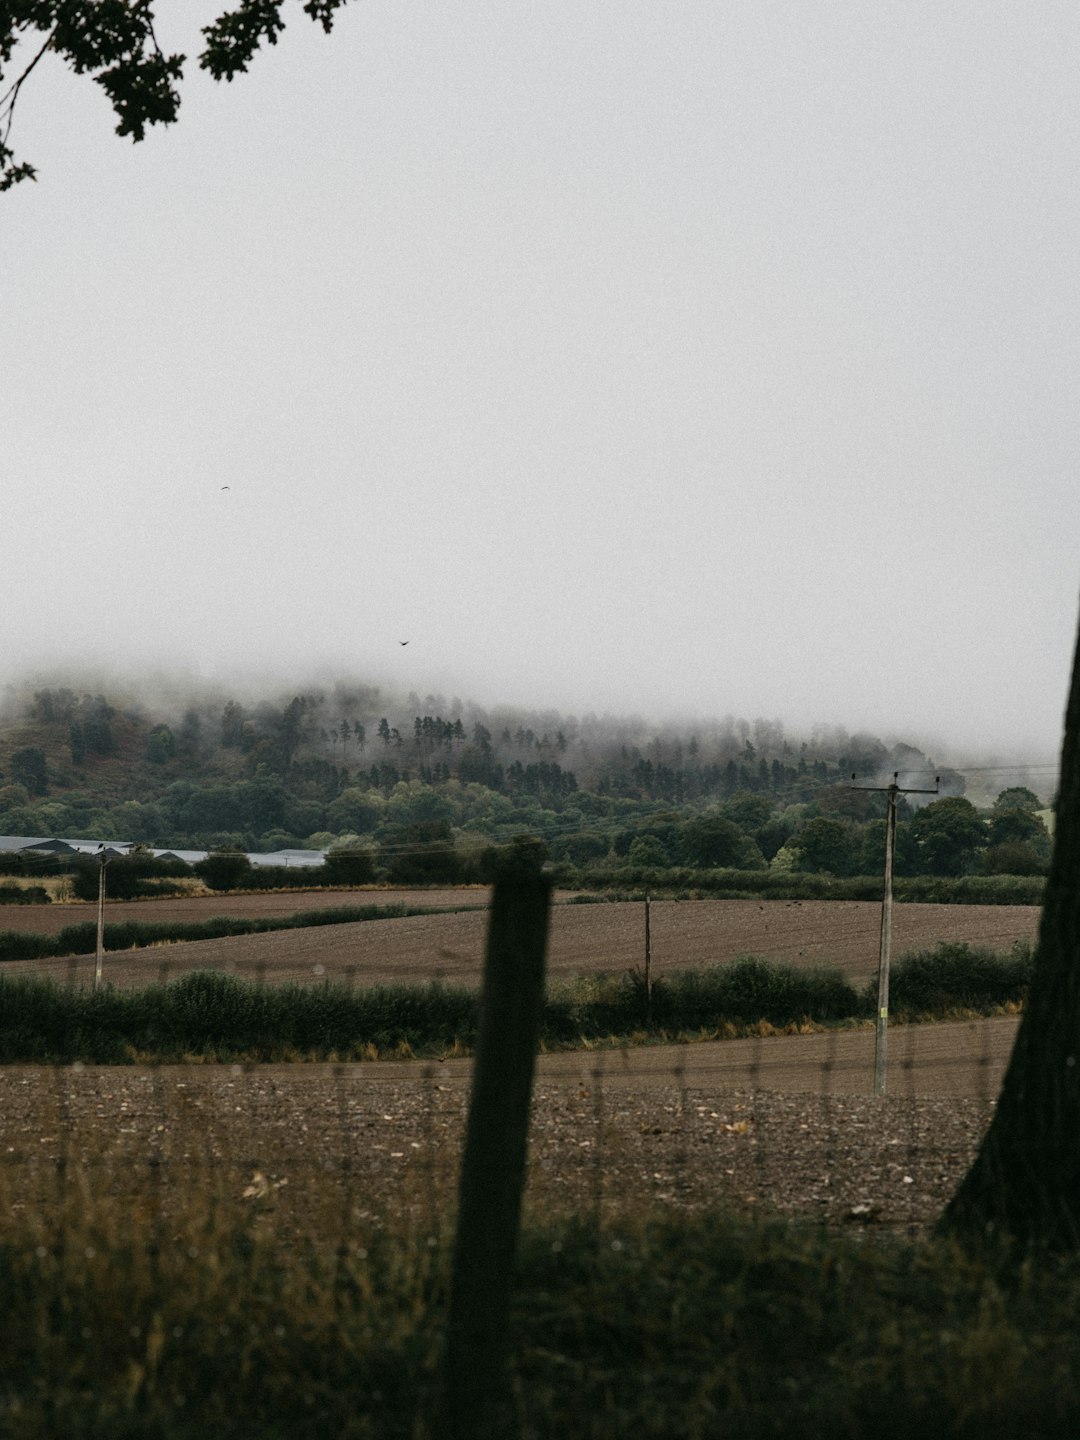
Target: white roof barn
x: 293, y: 858
x: 54, y: 845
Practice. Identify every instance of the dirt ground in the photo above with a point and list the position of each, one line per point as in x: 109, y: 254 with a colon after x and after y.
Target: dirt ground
x: 784, y: 1124
x: 584, y: 938
x: 778, y: 1123
x: 49, y: 919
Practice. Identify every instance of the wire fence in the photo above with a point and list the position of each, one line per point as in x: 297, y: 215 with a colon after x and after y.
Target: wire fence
x: 771, y: 1124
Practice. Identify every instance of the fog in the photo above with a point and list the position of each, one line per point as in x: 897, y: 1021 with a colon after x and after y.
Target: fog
x: 680, y: 361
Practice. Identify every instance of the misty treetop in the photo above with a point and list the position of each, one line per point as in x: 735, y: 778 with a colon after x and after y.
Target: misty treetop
x: 437, y: 780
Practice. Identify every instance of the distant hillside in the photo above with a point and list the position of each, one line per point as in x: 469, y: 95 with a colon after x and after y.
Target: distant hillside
x: 348, y: 763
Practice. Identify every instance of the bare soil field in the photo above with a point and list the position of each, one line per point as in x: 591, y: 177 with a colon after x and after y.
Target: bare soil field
x: 585, y: 939
x: 785, y: 1124
x: 51, y: 919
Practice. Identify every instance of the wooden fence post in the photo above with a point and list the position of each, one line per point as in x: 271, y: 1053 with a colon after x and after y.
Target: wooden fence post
x: 474, y: 1392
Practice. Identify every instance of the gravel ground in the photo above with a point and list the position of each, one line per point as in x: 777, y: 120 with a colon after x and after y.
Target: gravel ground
x: 783, y: 1123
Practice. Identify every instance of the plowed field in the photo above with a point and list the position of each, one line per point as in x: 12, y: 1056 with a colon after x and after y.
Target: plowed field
x: 784, y: 1122
x: 584, y: 938
x: 50, y: 919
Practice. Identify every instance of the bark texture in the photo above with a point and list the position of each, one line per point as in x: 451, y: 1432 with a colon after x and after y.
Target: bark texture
x: 1023, y: 1188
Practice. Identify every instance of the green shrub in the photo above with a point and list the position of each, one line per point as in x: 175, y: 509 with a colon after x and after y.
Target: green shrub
x: 799, y: 885
x: 224, y: 870
x: 740, y: 993
x: 283, y: 877
x: 23, y: 895
x: 25, y: 945
x: 349, y: 867
x: 81, y: 939
x: 14, y: 862
x: 971, y: 889
x: 957, y: 976
x: 217, y: 1016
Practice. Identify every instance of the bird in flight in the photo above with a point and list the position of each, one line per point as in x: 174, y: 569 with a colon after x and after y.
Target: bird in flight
x: 402, y: 642
x: 226, y: 487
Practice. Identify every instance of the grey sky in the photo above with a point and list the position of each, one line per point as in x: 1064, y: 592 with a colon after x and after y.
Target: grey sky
x: 683, y: 358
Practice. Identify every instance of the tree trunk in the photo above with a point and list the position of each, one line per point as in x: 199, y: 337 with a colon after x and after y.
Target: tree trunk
x: 1023, y: 1187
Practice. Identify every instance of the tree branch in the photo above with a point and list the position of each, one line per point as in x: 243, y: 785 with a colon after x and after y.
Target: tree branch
x: 115, y: 43
x: 7, y: 102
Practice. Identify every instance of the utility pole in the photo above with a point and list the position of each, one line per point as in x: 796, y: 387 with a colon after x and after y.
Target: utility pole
x: 102, y: 862
x: 881, y: 1037
x: 648, y: 960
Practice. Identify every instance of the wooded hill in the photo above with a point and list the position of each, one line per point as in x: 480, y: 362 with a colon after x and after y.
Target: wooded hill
x: 352, y: 767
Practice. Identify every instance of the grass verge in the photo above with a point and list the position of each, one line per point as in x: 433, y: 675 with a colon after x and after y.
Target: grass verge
x: 197, y: 1315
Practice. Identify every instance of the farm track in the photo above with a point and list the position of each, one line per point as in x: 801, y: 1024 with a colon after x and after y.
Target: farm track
x: 585, y: 939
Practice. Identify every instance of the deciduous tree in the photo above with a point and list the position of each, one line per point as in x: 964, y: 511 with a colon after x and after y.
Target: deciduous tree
x: 160, y: 745
x: 827, y: 845
x: 29, y: 768
x: 351, y: 863
x: 1018, y: 797
x: 713, y: 841
x: 224, y: 870
x: 114, y: 42
x: 949, y: 834
x: 1020, y: 827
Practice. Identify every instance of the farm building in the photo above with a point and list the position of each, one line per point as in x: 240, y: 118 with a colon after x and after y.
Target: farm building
x: 55, y: 845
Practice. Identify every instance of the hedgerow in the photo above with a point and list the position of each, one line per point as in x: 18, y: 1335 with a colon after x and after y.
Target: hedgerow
x: 799, y: 885
x: 214, y: 1016
x: 81, y: 939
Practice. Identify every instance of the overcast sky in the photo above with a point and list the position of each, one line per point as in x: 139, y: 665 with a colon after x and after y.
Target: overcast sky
x: 682, y: 358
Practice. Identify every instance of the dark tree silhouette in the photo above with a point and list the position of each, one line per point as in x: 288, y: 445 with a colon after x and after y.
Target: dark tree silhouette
x: 1023, y: 1188
x: 116, y: 46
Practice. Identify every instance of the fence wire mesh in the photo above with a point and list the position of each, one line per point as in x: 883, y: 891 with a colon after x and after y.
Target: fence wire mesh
x: 326, y: 1151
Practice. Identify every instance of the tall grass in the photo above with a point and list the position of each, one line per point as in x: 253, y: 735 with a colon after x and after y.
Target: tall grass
x: 208, y: 1015
x: 187, y: 1316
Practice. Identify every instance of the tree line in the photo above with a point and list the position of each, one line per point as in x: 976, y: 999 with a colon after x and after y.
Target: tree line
x: 344, y: 769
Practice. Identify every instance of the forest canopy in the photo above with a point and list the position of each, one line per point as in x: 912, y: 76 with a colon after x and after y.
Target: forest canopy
x: 393, y: 777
